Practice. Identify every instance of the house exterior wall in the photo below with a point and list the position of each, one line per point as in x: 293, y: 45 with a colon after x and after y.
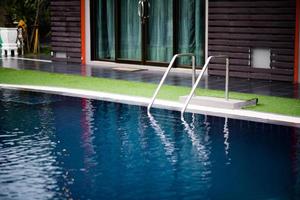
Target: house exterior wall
x: 65, y: 30
x: 238, y: 27
x: 298, y: 11
x: 234, y: 28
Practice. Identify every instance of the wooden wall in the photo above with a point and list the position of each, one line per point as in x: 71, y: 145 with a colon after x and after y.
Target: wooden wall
x: 65, y: 30
x: 235, y: 27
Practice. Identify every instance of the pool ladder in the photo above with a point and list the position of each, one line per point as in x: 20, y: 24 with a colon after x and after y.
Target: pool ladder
x: 194, y: 83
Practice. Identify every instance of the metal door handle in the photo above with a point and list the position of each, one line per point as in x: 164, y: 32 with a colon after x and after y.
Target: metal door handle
x: 148, y: 3
x: 141, y: 9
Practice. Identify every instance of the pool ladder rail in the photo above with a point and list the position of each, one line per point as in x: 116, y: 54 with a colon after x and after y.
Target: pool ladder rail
x: 195, y: 83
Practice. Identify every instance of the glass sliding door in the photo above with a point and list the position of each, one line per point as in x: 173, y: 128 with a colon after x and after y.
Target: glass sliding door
x: 129, y: 31
x: 147, y: 31
x: 104, y: 30
x: 160, y: 31
x: 191, y: 30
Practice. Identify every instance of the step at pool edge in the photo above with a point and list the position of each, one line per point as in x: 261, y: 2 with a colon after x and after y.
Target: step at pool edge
x: 220, y: 102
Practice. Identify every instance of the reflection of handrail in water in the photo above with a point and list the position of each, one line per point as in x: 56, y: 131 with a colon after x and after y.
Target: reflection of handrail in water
x: 169, y: 147
x: 226, y: 142
x: 201, y: 149
x: 226, y: 135
x: 207, y: 128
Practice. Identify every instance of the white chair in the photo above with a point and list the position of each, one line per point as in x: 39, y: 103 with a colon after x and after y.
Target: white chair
x: 9, y: 41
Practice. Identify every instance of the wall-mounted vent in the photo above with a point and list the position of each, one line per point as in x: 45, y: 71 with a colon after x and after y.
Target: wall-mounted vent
x: 261, y: 58
x: 60, y: 54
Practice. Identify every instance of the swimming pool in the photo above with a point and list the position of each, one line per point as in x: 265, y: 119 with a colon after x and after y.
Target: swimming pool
x: 56, y: 147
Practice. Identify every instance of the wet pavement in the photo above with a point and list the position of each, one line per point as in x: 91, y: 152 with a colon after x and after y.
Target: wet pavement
x: 271, y: 88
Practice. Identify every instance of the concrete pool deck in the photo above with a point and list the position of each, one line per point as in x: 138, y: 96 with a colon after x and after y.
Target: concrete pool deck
x: 164, y: 104
x: 177, y: 76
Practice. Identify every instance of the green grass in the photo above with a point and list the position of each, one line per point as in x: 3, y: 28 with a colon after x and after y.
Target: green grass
x: 278, y: 105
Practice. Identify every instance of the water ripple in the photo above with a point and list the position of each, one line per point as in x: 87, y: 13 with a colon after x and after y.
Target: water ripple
x: 85, y: 149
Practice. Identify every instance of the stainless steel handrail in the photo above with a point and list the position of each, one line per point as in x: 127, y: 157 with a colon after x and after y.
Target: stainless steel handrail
x: 187, y: 101
x: 167, y: 72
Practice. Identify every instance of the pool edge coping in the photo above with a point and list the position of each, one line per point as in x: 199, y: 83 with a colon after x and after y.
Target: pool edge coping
x: 163, y: 104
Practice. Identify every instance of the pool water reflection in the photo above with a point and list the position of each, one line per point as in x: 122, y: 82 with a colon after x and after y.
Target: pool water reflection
x: 55, y: 147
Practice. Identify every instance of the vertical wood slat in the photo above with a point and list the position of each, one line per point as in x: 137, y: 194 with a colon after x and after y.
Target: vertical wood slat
x: 65, y: 30
x: 238, y: 26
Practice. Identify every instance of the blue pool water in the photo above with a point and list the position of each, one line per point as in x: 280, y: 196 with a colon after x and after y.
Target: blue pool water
x: 55, y: 147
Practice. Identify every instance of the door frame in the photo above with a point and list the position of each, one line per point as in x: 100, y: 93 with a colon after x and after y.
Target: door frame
x: 91, y: 19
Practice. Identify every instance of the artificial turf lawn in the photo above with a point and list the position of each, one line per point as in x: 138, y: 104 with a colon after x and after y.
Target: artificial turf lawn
x: 278, y: 105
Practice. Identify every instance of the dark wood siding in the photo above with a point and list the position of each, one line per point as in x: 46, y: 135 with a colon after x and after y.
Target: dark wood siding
x: 65, y: 30
x: 235, y: 27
